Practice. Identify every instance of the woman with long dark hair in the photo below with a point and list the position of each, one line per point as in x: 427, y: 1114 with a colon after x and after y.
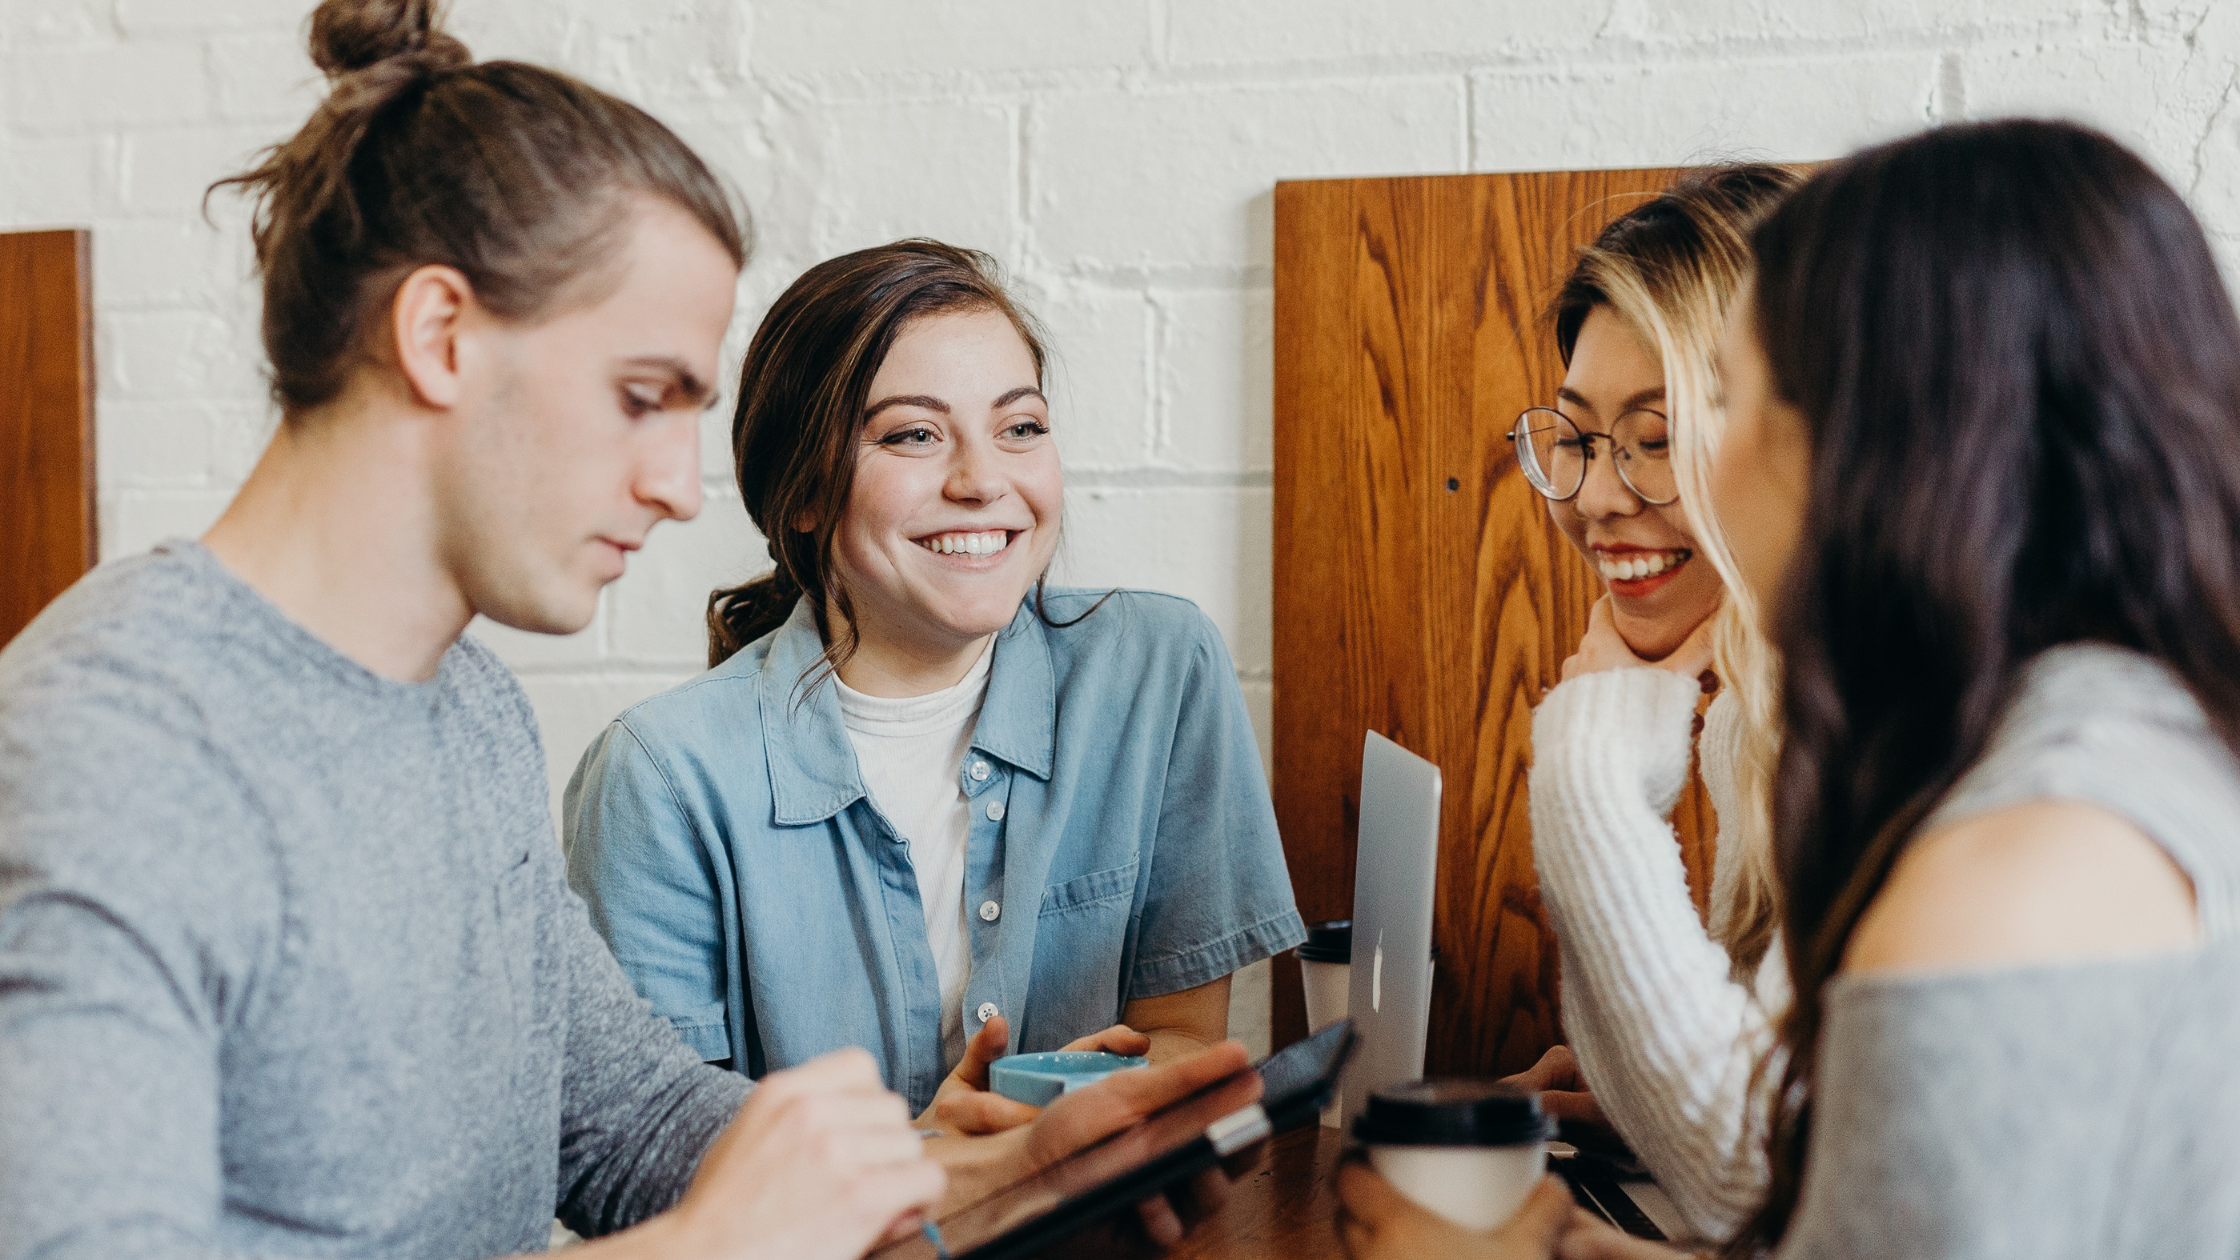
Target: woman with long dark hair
x: 1982, y: 407
x: 1984, y: 410
x: 921, y: 802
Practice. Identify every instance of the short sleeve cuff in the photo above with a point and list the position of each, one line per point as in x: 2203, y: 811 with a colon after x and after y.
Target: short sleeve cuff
x: 1172, y: 973
x: 703, y: 1030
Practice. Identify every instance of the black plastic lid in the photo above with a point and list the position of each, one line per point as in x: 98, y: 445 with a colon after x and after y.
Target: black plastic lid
x: 1330, y: 942
x: 1453, y: 1113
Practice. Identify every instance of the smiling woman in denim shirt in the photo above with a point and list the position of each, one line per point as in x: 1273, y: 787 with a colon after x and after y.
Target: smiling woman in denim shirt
x: 922, y: 803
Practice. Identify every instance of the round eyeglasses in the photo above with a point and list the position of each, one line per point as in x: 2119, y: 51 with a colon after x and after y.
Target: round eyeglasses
x: 1554, y: 453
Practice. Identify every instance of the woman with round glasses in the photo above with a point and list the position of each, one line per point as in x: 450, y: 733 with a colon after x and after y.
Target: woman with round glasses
x: 1666, y: 1016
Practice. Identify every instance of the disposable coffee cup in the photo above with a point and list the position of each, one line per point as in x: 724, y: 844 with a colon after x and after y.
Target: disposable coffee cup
x: 1325, y: 970
x: 1325, y: 967
x: 1470, y: 1151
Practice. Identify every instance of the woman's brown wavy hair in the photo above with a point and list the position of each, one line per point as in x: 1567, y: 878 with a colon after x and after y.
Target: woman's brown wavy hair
x: 2020, y: 377
x: 802, y: 393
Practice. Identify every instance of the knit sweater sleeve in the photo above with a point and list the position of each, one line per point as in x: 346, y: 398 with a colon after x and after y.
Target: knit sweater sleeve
x: 1666, y: 1039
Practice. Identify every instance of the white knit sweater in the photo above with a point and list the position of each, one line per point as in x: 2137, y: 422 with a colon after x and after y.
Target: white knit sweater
x: 1666, y: 1039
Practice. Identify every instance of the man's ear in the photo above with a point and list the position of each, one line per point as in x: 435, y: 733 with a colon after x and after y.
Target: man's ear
x: 425, y: 321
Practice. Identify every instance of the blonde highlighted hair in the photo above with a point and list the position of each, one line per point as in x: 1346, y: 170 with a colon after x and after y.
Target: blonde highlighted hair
x: 1672, y: 267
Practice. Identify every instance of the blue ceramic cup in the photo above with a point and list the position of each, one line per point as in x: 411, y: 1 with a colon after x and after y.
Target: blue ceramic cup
x: 1035, y: 1079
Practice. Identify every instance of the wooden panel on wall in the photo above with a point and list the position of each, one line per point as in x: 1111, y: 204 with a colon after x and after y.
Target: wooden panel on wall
x: 46, y: 420
x: 1420, y: 588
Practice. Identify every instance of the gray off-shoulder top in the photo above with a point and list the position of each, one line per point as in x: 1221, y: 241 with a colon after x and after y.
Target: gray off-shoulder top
x: 2088, y: 1110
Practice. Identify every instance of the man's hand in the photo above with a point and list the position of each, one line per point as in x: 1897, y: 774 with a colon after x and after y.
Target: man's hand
x: 819, y: 1164
x: 964, y: 1104
x: 1604, y: 648
x: 1563, y: 1091
x: 1086, y: 1116
x: 980, y: 1165
x: 1377, y: 1222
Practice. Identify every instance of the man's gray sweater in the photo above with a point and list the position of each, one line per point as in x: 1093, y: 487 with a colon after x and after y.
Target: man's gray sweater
x: 288, y: 962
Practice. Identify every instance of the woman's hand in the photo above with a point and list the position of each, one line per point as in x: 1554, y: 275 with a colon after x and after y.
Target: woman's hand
x: 1563, y: 1091
x: 1377, y: 1222
x: 1604, y: 648
x: 964, y: 1104
x: 1592, y: 1238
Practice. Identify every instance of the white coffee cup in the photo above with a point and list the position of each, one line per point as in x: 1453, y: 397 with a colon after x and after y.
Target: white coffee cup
x: 1325, y: 971
x: 1470, y: 1151
x: 1326, y: 984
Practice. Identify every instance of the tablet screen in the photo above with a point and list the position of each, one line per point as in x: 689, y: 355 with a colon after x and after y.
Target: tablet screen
x: 1286, y: 1086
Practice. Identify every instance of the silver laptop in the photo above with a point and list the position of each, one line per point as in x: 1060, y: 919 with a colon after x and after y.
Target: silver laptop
x: 1394, y: 871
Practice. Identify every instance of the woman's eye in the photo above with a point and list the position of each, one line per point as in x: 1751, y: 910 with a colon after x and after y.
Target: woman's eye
x: 1028, y: 429
x: 640, y: 403
x: 908, y: 437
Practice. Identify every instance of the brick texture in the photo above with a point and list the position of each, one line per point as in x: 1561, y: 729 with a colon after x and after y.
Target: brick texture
x: 1118, y: 157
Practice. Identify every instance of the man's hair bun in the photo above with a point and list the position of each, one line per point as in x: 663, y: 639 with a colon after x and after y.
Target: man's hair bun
x: 352, y: 35
x: 518, y: 177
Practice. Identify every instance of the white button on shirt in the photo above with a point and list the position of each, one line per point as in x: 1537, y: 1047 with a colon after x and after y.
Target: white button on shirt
x: 995, y: 811
x: 987, y: 1011
x: 989, y: 910
x: 909, y: 751
x: 979, y: 770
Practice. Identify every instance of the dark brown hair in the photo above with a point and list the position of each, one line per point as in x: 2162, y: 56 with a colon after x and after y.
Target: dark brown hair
x: 802, y: 393
x: 2020, y: 377
x: 1690, y: 239
x: 518, y: 176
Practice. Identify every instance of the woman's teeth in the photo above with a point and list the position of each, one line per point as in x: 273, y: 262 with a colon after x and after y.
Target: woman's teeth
x: 1633, y: 566
x: 967, y: 544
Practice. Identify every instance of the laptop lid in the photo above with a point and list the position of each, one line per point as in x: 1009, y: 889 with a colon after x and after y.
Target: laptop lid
x: 1395, y: 869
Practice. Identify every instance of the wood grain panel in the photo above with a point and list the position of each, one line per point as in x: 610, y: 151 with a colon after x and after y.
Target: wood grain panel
x: 46, y: 420
x: 1420, y: 589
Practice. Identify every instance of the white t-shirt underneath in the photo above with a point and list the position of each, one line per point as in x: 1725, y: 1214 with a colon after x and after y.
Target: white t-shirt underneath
x: 911, y: 752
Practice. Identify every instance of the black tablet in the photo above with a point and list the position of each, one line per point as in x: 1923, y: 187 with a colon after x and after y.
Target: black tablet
x: 1284, y: 1091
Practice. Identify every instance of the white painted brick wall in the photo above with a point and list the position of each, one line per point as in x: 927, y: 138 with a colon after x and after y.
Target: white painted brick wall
x: 1117, y: 155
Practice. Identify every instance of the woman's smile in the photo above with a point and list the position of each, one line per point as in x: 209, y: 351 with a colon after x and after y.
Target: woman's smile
x: 1636, y: 572
x: 982, y: 549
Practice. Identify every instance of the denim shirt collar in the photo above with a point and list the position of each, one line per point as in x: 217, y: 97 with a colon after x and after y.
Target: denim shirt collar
x: 813, y: 770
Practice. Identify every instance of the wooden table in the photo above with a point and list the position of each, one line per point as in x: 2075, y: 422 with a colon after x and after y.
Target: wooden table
x: 1284, y: 1206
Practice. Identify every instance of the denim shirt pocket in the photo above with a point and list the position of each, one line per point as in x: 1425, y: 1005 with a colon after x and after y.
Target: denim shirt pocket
x: 1097, y: 890
x: 1080, y: 955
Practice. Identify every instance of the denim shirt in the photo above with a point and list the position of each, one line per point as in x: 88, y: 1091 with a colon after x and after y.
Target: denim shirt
x: 1123, y: 845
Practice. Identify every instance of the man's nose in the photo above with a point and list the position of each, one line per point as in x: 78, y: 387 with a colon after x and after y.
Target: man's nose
x: 669, y: 479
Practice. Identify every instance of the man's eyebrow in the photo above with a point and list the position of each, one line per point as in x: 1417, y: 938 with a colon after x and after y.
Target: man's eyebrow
x: 1642, y: 398
x: 1024, y: 391
x: 1564, y: 393
x: 927, y: 401
x: 688, y: 382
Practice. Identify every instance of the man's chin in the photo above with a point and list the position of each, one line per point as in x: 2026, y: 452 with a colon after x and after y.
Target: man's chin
x: 554, y: 613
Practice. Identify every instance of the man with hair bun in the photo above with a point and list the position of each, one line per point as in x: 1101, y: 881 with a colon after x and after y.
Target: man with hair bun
x: 288, y: 962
